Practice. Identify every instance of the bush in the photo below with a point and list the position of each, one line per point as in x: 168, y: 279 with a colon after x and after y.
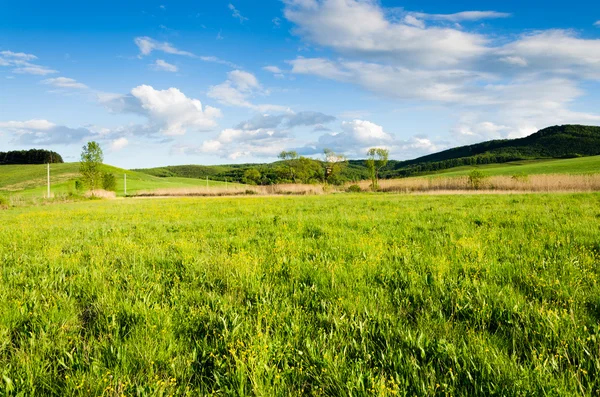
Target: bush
x: 109, y: 182
x: 3, y: 202
x: 79, y: 186
x: 476, y: 179
x: 354, y: 189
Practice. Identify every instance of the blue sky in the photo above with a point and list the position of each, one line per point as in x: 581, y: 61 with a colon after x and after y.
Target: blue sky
x: 165, y: 82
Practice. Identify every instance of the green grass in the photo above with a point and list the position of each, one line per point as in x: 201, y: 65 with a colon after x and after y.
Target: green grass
x: 335, y: 295
x: 30, y: 180
x: 582, y: 165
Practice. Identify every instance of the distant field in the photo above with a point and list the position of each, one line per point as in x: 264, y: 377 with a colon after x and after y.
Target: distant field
x: 582, y: 165
x: 324, y: 295
x: 30, y: 180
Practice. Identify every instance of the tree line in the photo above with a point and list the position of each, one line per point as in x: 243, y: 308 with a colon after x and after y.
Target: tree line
x: 32, y: 156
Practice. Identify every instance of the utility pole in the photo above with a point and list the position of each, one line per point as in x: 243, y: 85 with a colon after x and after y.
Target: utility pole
x: 48, y: 196
x: 125, y: 184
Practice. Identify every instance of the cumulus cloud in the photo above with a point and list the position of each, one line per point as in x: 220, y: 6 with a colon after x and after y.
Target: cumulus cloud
x: 238, y: 90
x: 43, y: 132
x: 356, y: 137
x: 163, y: 66
x: 239, y: 143
x: 119, y: 144
x: 361, y: 28
x: 169, y: 111
x: 65, y: 82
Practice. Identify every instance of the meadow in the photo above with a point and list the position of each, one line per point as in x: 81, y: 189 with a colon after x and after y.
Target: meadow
x: 29, y: 181
x: 342, y: 294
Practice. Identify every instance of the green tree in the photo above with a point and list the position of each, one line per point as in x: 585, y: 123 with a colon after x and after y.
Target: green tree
x: 334, y: 165
x: 291, y: 160
x: 252, y: 176
x: 109, y: 182
x: 377, y: 158
x: 89, y: 167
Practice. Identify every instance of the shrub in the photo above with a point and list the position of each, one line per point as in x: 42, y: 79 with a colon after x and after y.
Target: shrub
x: 476, y: 179
x: 79, y: 186
x: 3, y: 202
x: 354, y: 189
x: 109, y: 182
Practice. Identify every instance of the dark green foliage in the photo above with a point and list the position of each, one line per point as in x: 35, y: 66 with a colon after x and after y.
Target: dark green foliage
x: 32, y: 156
x: 354, y: 189
x: 109, y: 182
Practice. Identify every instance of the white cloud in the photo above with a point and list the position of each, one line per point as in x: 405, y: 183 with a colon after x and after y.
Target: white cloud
x: 239, y: 143
x: 169, y: 111
x: 236, y: 14
x: 273, y: 69
x: 597, y: 23
x: 286, y: 120
x: 147, y: 44
x: 360, y: 28
x: 413, y: 21
x: 65, y: 82
x: 238, y: 89
x: 399, y: 82
x: 163, y: 66
x: 17, y: 55
x: 21, y: 64
x: 34, y: 69
x: 38, y: 125
x: 276, y: 22
x: 43, y: 132
x: 464, y: 16
x: 119, y: 144
x: 556, y: 51
x: 356, y: 137
x: 518, y: 61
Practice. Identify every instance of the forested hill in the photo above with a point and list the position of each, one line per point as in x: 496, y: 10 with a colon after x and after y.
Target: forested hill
x: 553, y: 142
x: 565, y: 141
x: 32, y: 156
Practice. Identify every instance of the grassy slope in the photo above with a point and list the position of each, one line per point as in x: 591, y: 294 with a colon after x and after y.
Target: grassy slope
x: 583, y: 165
x: 30, y: 180
x: 335, y: 295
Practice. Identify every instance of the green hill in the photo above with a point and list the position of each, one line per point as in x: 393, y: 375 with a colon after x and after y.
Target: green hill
x: 558, y: 142
x: 567, y: 141
x: 30, y: 180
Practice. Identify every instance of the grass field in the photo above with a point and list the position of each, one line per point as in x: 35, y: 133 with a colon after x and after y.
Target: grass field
x: 326, y: 295
x: 582, y: 165
x: 30, y: 180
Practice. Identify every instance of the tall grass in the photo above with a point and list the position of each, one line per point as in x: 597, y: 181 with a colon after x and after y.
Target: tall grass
x: 317, y: 295
x: 516, y: 183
